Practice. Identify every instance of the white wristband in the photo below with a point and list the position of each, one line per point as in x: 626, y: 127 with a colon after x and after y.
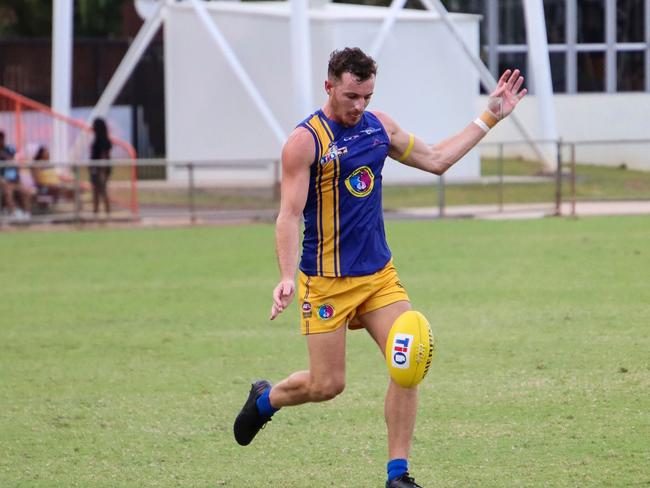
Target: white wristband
x: 482, y: 124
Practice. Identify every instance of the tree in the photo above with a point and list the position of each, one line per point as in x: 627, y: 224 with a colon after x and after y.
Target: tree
x: 25, y: 18
x: 33, y: 18
x: 98, y: 18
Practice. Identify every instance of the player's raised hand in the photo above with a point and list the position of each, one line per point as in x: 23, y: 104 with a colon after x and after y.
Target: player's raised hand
x: 507, y: 94
x: 282, y: 296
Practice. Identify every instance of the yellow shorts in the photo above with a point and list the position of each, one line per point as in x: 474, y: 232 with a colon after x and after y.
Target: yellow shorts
x: 329, y: 303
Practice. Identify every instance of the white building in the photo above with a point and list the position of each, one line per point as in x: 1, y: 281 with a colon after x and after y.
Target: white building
x: 424, y: 80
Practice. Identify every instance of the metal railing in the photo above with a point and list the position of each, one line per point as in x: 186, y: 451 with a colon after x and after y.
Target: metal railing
x: 206, y: 191
x: 68, y: 185
x: 566, y: 170
x: 572, y: 162
x: 237, y: 166
x: 191, y: 189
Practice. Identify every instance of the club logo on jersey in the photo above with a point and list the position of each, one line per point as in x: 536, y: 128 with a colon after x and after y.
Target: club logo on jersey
x: 400, y: 350
x: 326, y: 311
x: 332, y: 153
x: 360, y: 182
x: 306, y: 310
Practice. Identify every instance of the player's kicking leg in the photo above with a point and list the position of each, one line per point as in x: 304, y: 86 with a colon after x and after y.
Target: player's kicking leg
x: 400, y: 407
x: 323, y: 381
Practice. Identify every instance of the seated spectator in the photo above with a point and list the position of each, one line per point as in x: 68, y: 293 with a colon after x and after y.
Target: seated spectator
x: 49, y: 181
x: 13, y: 191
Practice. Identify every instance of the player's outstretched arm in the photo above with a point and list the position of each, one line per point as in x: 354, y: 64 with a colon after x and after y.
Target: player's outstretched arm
x: 438, y: 158
x: 297, y: 155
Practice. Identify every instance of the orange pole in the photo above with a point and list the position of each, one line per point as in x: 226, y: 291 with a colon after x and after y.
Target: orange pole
x: 19, y: 132
x: 134, y: 189
x: 20, y: 99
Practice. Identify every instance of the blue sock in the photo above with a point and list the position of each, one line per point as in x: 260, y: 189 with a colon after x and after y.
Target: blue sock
x: 397, y: 467
x: 264, y: 404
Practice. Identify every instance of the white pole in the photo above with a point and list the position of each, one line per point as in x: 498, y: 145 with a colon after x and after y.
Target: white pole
x: 387, y: 25
x: 61, y: 74
x: 541, y: 73
x: 239, y: 70
x: 301, y: 54
x: 647, y: 45
x: 128, y: 63
x: 486, y: 77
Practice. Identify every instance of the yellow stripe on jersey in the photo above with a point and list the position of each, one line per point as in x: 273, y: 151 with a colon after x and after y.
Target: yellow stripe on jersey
x: 319, y: 155
x: 328, y: 259
x: 337, y: 219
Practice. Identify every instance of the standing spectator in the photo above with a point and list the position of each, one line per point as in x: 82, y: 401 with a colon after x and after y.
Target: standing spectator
x: 99, y: 175
x: 10, y: 186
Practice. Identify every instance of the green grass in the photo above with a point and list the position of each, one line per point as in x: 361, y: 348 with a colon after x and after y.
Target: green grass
x: 125, y: 355
x: 593, y: 183
x: 510, y: 167
x: 206, y: 198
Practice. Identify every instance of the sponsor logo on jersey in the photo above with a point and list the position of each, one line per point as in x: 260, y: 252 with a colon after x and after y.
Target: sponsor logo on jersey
x: 326, y: 311
x: 332, y: 153
x: 360, y: 182
x: 400, y: 350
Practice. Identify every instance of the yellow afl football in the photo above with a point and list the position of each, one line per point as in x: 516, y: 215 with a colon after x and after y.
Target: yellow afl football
x: 410, y: 349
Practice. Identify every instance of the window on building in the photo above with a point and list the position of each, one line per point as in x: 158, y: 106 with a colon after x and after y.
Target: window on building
x: 630, y: 15
x: 513, y: 61
x: 591, y: 72
x: 607, y: 51
x: 591, y: 21
x: 630, y: 70
x: 555, y: 13
x: 558, y: 71
x: 512, y: 25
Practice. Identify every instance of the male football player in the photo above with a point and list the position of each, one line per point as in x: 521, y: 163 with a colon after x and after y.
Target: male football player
x: 331, y: 177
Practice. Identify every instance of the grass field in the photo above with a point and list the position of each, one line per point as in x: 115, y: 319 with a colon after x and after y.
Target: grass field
x: 592, y: 183
x: 126, y: 354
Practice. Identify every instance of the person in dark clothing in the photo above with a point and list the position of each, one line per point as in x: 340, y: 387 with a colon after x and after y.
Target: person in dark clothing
x: 12, y: 190
x: 99, y: 174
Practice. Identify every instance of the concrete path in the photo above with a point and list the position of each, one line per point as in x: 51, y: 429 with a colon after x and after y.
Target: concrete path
x: 526, y: 211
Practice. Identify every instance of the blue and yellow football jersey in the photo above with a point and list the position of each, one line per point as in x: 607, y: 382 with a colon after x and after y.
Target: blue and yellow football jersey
x: 344, y: 227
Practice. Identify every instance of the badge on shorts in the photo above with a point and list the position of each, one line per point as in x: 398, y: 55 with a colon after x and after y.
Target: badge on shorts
x: 326, y: 311
x: 306, y: 310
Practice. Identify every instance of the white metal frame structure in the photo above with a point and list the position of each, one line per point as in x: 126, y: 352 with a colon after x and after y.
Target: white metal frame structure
x: 541, y: 73
x: 61, y: 74
x: 300, y: 57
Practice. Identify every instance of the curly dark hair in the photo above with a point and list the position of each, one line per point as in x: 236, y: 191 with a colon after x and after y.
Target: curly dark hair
x: 40, y: 153
x: 351, y: 60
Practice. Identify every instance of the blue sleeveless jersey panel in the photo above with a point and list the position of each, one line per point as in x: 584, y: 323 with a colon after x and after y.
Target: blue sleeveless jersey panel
x: 344, y: 227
